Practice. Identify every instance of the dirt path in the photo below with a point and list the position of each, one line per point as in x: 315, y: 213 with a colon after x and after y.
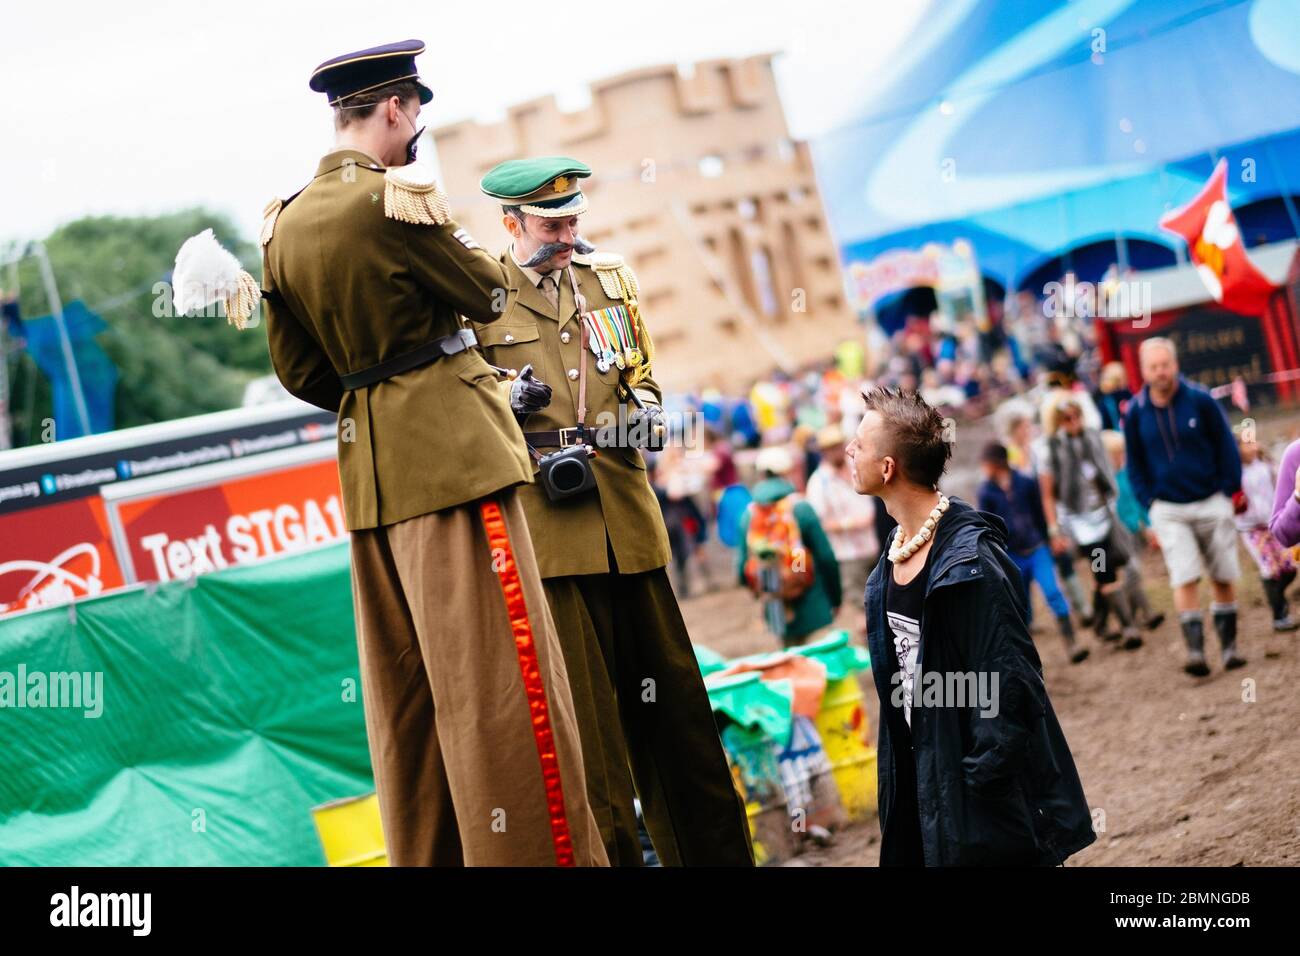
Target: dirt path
x: 1183, y: 770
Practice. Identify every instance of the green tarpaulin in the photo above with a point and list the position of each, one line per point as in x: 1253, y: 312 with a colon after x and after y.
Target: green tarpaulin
x: 231, y: 705
x: 839, y: 656
x: 751, y: 702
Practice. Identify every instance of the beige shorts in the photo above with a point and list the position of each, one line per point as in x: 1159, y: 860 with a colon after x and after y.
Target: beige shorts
x: 1197, y: 538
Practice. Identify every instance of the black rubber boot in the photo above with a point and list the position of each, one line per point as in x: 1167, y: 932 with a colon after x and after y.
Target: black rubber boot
x: 1273, y: 593
x: 1194, y: 635
x: 1225, y: 624
x: 1286, y: 579
x: 1119, y: 603
x: 1074, y: 591
x: 1284, y: 621
x: 1138, y: 598
x: 1275, y: 590
x: 1076, y: 652
x: 1101, y: 617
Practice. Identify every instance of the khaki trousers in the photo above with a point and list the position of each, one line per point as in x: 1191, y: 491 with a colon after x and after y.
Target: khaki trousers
x: 643, y: 707
x: 473, y: 738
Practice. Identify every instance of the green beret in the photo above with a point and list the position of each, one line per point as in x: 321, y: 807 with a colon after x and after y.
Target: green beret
x: 544, y: 186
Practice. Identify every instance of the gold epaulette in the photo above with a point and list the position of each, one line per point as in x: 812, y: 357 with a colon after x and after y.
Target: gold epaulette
x: 615, y: 277
x: 412, y: 195
x: 269, y: 215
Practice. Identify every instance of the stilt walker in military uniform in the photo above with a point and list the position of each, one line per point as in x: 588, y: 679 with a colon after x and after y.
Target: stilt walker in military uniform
x: 572, y: 323
x: 472, y: 731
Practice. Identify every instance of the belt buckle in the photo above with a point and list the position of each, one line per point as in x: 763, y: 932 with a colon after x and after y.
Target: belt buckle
x: 460, y: 341
x: 564, y: 436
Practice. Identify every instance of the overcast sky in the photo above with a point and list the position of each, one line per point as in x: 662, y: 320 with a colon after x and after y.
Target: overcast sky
x: 144, y: 106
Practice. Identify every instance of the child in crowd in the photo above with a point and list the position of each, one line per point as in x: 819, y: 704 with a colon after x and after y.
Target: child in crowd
x: 1137, y: 525
x: 1014, y: 497
x: 1015, y: 423
x: 1276, y: 568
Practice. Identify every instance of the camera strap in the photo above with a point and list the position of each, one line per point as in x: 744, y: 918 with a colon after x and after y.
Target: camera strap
x: 582, y: 382
x: 581, y: 302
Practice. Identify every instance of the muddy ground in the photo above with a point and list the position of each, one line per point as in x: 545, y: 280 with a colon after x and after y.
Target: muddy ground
x: 1185, y: 771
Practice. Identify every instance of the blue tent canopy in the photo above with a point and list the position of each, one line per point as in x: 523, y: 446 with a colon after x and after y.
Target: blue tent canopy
x: 1037, y: 127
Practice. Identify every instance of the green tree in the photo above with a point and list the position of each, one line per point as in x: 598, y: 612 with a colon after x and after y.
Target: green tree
x: 167, y: 367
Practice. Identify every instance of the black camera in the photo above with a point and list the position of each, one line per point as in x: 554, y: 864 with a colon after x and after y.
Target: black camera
x: 567, y: 472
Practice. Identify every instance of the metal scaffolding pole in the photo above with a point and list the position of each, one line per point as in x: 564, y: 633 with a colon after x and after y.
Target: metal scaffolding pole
x: 6, y: 411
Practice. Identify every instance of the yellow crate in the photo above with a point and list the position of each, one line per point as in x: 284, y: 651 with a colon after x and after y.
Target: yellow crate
x: 351, y: 832
x: 844, y: 728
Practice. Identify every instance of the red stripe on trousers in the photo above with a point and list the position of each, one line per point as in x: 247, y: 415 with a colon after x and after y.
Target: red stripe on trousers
x: 494, y: 523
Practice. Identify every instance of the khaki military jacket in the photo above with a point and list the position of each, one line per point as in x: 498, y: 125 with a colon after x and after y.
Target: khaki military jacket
x: 349, y: 287
x: 569, y: 536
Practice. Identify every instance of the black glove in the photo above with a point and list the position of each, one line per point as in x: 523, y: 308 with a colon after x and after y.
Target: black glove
x: 647, y: 427
x: 528, y: 394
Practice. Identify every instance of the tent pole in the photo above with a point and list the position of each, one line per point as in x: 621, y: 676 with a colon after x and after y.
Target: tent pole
x: 6, y: 415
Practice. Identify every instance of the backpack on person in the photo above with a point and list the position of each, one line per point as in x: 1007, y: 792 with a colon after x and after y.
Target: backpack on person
x: 776, y: 563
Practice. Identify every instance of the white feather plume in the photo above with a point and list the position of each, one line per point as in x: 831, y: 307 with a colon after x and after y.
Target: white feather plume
x: 207, y: 273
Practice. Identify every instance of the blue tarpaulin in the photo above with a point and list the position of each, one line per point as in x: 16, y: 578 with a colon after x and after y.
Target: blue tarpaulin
x: 96, y: 370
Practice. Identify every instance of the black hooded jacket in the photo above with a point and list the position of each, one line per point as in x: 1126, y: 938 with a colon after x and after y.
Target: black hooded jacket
x: 993, y: 785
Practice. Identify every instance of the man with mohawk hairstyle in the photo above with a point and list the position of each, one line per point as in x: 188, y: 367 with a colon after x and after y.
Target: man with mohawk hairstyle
x: 468, y: 708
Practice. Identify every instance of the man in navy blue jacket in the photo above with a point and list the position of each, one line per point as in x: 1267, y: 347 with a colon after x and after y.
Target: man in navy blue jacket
x: 1184, y: 467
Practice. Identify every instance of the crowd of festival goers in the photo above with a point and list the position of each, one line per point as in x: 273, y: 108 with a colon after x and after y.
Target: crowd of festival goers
x: 1087, y: 475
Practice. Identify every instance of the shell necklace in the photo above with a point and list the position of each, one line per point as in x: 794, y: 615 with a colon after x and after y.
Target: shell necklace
x: 901, y: 552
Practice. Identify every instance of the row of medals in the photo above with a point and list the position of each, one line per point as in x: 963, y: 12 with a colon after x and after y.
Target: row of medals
x: 606, y: 357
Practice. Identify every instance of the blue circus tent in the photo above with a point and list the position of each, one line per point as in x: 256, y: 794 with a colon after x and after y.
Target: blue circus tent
x: 1054, y: 135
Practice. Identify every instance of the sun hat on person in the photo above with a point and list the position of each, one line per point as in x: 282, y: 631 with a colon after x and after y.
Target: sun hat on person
x: 830, y: 436
x: 774, y: 460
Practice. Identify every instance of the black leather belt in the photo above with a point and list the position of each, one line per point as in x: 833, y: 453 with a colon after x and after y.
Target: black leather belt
x: 447, y: 345
x: 565, y: 437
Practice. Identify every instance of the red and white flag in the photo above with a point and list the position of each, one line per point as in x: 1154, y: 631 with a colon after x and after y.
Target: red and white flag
x: 1210, y: 230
